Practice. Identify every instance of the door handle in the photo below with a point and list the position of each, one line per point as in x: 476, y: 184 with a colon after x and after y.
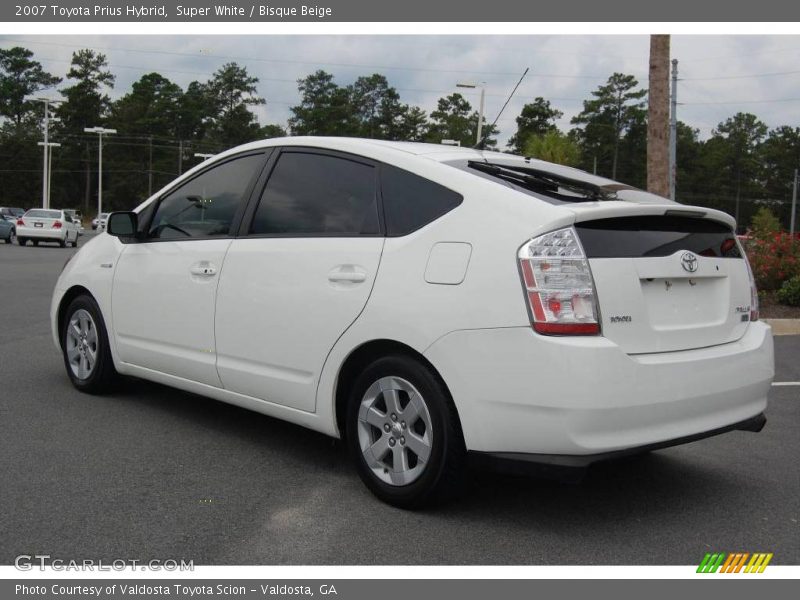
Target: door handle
x: 348, y: 274
x: 203, y: 269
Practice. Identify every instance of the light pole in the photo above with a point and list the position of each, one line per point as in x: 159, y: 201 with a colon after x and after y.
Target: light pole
x: 100, y: 131
x: 473, y: 85
x: 46, y: 146
x: 49, y: 161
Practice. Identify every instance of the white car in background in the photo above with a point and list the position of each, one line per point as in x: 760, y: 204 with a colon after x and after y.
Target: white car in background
x: 100, y: 221
x: 47, y: 225
x: 428, y: 304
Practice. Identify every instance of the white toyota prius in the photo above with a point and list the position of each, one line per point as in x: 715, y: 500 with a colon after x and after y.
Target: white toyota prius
x: 432, y: 306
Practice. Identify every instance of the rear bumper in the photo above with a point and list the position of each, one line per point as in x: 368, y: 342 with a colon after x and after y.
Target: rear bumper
x: 572, y: 466
x: 521, y: 393
x: 42, y: 233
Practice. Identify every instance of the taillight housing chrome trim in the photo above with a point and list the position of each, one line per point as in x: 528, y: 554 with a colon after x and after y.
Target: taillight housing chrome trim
x: 558, y: 285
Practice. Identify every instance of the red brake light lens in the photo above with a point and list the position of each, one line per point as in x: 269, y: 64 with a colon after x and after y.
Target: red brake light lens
x: 20, y: 222
x: 57, y: 225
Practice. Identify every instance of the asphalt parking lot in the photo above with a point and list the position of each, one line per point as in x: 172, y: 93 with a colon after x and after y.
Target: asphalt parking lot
x: 155, y: 473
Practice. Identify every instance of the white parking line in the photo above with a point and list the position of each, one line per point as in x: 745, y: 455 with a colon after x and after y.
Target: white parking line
x: 785, y: 383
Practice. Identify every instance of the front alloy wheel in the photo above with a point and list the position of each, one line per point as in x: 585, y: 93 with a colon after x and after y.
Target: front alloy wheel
x: 81, y: 344
x: 84, y: 343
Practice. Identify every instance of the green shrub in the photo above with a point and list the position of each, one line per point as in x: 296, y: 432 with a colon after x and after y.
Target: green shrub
x: 765, y: 224
x: 790, y: 292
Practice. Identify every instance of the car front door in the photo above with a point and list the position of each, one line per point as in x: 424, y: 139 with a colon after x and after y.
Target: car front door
x: 164, y: 291
x: 299, y: 274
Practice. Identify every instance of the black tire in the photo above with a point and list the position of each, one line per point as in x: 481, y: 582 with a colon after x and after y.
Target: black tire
x: 63, y: 243
x: 75, y: 242
x: 35, y: 242
x: 103, y: 374
x: 441, y: 478
x: 21, y: 241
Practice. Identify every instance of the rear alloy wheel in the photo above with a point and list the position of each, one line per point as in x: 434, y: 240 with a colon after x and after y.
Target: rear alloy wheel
x: 84, y: 344
x: 403, y: 432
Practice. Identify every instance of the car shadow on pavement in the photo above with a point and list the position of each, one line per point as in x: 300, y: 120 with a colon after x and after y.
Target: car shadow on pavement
x: 660, y: 480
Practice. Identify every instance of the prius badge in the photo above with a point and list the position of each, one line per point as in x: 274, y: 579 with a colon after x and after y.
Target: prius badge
x: 689, y: 262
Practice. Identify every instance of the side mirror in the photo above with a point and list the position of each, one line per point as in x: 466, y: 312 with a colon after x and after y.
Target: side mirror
x: 123, y: 225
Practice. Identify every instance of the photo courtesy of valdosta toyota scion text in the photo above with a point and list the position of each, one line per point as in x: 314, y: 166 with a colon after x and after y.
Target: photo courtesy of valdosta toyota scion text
x: 382, y: 300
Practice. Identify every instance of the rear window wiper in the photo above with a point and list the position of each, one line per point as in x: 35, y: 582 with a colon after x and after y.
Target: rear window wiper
x: 545, y: 182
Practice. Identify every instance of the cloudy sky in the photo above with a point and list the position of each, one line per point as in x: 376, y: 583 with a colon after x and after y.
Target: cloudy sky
x: 720, y: 74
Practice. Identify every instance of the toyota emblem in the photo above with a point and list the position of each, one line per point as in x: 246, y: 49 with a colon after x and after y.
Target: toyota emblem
x: 689, y: 262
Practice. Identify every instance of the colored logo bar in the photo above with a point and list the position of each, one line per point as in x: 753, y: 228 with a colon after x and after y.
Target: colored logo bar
x: 735, y: 562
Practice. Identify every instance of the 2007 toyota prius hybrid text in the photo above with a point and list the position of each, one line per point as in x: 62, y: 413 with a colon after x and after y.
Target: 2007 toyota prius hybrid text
x: 432, y: 306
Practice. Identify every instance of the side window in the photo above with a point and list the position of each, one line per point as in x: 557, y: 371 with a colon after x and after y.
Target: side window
x: 311, y: 194
x: 206, y: 205
x: 411, y: 202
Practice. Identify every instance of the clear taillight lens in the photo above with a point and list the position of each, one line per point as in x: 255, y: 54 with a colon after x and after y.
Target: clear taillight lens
x: 753, y: 289
x: 558, y: 285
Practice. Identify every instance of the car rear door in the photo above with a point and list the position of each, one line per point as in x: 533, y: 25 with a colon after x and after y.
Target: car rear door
x: 299, y: 274
x: 164, y: 291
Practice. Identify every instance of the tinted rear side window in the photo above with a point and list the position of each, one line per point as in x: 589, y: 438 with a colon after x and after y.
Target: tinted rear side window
x: 318, y: 194
x: 631, y: 237
x: 411, y: 202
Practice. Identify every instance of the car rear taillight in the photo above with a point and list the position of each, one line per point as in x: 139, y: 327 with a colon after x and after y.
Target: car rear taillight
x: 753, y: 288
x: 20, y: 223
x: 57, y: 225
x: 558, y: 285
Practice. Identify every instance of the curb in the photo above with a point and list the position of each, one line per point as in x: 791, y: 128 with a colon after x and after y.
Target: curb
x: 784, y: 326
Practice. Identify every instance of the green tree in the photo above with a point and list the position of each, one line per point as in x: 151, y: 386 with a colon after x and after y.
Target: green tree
x: 325, y: 108
x: 765, y: 224
x: 780, y: 156
x: 21, y: 76
x: 148, y: 120
x: 615, y: 108
x: 272, y: 131
x: 553, y: 146
x: 87, y: 105
x: 454, y: 119
x: 739, y: 142
x: 231, y: 92
x: 378, y: 108
x: 536, y: 119
x: 413, y: 126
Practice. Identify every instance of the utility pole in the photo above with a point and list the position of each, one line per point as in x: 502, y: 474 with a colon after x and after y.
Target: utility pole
x: 180, y: 157
x: 794, y: 205
x: 46, y: 146
x: 657, y: 117
x: 673, y: 131
x: 150, y: 167
x: 49, y: 148
x: 100, y: 131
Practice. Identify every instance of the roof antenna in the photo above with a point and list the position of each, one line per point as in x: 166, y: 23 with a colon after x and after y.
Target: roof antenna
x: 482, y: 143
